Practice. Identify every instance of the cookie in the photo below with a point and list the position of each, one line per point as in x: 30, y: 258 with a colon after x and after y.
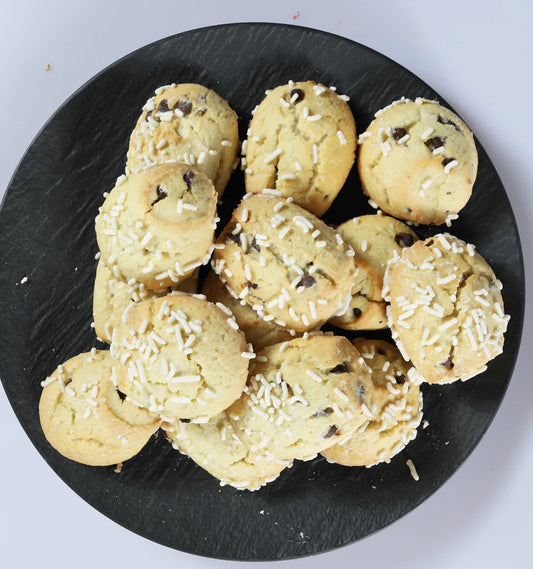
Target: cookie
x: 375, y: 240
x: 86, y: 418
x: 157, y: 226
x: 287, y: 264
x: 418, y: 161
x: 182, y: 356
x: 446, y: 309
x: 258, y: 332
x: 397, y: 410
x: 187, y: 123
x: 215, y: 447
x: 111, y: 296
x: 302, y: 142
x: 302, y: 397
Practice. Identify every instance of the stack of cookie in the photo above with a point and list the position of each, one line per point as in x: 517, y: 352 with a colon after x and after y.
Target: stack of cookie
x: 241, y: 378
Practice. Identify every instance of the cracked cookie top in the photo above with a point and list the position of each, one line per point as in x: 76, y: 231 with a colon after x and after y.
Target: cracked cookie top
x: 418, y: 161
x: 186, y: 123
x: 303, y: 396
x: 446, y: 309
x: 86, y: 418
x: 287, y: 264
x: 182, y: 357
x: 301, y: 141
x: 216, y: 447
x: 157, y: 225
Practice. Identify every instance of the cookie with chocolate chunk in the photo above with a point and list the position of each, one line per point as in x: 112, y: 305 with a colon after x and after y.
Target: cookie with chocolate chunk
x: 418, y: 161
x: 86, y: 418
x: 187, y: 123
x: 446, y: 310
x: 157, y: 226
x: 302, y: 397
x: 375, y: 240
x: 301, y: 142
x: 287, y: 264
x: 396, y: 413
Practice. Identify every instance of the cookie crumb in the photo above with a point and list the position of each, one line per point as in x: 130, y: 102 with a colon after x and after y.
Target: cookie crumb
x: 48, y: 67
x: 118, y: 468
x: 296, y: 16
x: 412, y: 470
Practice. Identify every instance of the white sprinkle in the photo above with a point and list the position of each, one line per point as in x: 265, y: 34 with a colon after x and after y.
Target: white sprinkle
x: 226, y: 143
x: 448, y: 324
x: 232, y: 323
x: 271, y: 157
x: 366, y: 410
x: 312, y: 118
x: 412, y: 470
x: 444, y: 242
x: 320, y: 244
x: 427, y: 133
x: 315, y: 154
x: 446, y: 280
x: 190, y: 207
x: 450, y: 165
x: 313, y: 375
x: 364, y: 245
x: 373, y: 204
x: 425, y: 185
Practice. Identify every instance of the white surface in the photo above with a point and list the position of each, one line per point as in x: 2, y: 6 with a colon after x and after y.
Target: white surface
x: 477, y: 54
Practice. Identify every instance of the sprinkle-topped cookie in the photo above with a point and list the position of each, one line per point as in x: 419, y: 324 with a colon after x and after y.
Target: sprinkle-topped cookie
x: 182, y: 357
x: 446, y: 309
x: 186, y: 123
x: 301, y: 142
x: 287, y: 264
x: 157, y: 226
x: 86, y: 418
x: 303, y: 396
x: 418, y: 161
x: 397, y: 409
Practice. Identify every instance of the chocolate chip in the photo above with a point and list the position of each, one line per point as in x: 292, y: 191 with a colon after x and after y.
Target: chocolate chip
x: 188, y: 177
x: 254, y: 245
x: 404, y: 239
x: 163, y: 106
x: 201, y: 112
x: 429, y: 243
x: 360, y: 391
x: 202, y: 99
x: 434, y: 143
x: 331, y: 431
x: 232, y: 237
x: 447, y: 121
x: 356, y: 313
x: 185, y: 106
x: 448, y: 364
x: 161, y: 195
x: 341, y: 368
x: 185, y: 420
x: 398, y: 133
x: 324, y: 413
x: 251, y: 285
x: 400, y: 379
x: 148, y: 115
x: 300, y: 95
x: 307, y: 281
x: 447, y: 160
x: 381, y: 352
x: 67, y: 381
x: 121, y: 395
x: 408, y: 210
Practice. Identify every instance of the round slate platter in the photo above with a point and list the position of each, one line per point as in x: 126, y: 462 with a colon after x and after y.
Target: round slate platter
x: 47, y: 234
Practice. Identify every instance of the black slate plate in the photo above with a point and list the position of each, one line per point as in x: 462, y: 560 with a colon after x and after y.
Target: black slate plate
x: 46, y: 233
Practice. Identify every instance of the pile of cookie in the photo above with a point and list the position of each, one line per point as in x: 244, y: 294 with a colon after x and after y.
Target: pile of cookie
x: 241, y: 377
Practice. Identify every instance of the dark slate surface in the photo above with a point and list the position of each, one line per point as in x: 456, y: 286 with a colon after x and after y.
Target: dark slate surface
x: 46, y: 234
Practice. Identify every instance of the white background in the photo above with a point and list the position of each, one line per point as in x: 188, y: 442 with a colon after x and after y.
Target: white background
x: 477, y: 54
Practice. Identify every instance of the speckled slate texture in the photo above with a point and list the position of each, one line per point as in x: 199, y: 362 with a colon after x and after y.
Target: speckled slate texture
x: 47, y: 234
